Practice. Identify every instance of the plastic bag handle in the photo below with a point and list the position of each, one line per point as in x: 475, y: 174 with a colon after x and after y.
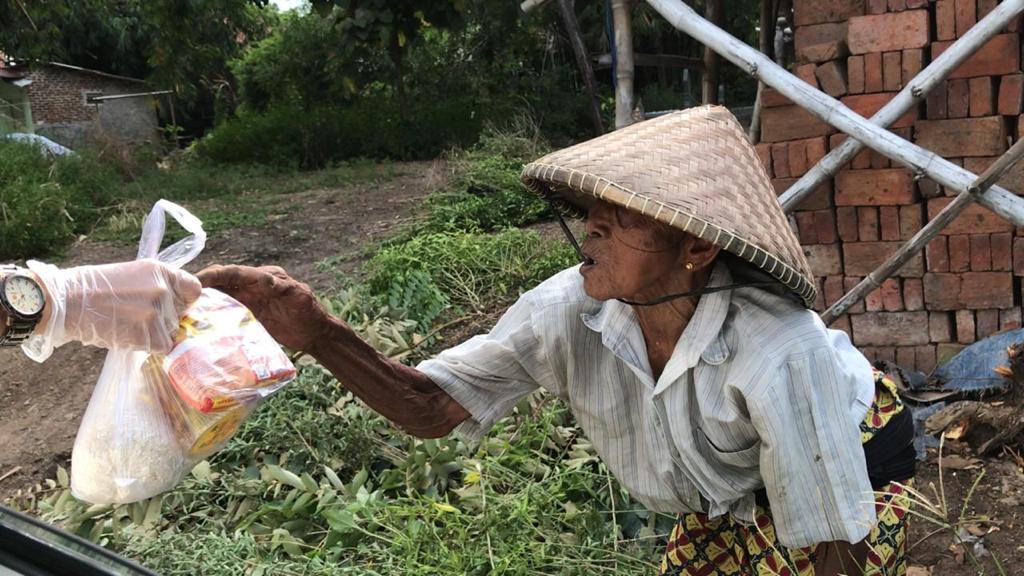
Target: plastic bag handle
x: 181, y: 252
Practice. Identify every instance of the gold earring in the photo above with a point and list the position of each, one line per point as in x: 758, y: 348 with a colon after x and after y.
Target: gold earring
x: 689, y: 265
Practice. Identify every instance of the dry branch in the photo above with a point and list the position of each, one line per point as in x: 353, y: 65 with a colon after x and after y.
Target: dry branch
x: 1006, y: 421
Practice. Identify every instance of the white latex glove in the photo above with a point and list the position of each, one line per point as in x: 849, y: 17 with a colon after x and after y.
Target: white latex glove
x: 133, y: 305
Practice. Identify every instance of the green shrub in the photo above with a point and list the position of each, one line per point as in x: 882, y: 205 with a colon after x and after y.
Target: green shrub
x: 44, y: 201
x: 484, y: 191
x: 310, y: 412
x: 373, y: 127
x: 281, y: 500
x: 470, y: 270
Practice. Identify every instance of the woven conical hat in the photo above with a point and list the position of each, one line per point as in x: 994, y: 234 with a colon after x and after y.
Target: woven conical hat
x: 694, y: 170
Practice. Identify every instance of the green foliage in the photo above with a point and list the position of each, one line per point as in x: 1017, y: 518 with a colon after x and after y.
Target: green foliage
x: 533, y: 498
x: 470, y: 270
x: 392, y: 23
x: 412, y: 286
x: 370, y: 127
x: 282, y: 69
x: 410, y: 294
x: 321, y: 89
x: 189, y: 43
x: 180, y: 45
x: 484, y: 191
x: 392, y: 26
x: 314, y: 412
x: 332, y: 54
x: 96, y: 34
x: 448, y: 262
x: 45, y: 201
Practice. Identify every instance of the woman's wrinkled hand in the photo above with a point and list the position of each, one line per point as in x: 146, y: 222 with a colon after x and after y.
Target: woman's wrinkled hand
x: 287, y: 308
x: 132, y: 305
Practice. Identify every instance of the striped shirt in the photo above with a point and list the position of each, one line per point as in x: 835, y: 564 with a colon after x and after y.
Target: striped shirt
x: 757, y: 394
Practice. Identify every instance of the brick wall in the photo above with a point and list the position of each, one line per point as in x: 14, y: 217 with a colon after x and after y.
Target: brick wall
x: 58, y: 95
x: 59, y: 109
x: 963, y: 287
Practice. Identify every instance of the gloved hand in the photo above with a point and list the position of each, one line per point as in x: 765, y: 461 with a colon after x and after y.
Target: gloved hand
x: 287, y: 308
x: 133, y: 305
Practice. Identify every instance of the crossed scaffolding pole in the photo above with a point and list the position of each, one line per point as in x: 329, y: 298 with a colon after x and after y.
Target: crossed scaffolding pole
x: 873, y: 133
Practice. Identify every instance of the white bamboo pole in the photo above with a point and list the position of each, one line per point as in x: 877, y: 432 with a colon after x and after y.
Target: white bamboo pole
x: 830, y: 110
x: 120, y: 96
x: 911, y: 94
x: 623, y: 63
x: 925, y: 234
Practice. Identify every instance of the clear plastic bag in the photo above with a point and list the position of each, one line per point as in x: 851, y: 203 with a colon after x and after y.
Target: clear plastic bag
x: 223, y: 363
x: 139, y: 437
x: 223, y: 357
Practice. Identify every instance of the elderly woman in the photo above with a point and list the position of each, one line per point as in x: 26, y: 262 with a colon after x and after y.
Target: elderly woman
x: 685, y: 349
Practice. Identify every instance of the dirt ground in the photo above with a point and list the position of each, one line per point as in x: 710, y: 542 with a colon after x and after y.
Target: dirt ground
x: 991, y: 489
x: 41, y: 405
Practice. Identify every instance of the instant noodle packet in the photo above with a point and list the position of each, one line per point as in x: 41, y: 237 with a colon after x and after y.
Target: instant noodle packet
x: 223, y: 357
x: 198, y: 434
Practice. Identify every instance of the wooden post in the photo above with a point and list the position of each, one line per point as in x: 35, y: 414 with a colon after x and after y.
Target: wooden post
x: 783, y: 50
x: 925, y: 234
x: 912, y: 93
x: 709, y: 80
x: 766, y: 35
x: 623, y: 63
x: 572, y: 28
x: 174, y: 121
x: 830, y: 110
x: 659, y: 46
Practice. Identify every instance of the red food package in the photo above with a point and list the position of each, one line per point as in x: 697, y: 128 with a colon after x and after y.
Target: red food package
x: 223, y: 356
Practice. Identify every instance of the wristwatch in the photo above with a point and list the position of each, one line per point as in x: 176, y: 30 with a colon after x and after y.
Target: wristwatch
x: 23, y: 300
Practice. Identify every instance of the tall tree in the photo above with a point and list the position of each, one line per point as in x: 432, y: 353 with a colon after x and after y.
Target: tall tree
x: 190, y: 42
x: 96, y: 34
x: 184, y: 45
x: 390, y: 24
x: 567, y: 13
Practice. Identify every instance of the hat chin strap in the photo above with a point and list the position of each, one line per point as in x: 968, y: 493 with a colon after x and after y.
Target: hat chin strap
x: 699, y: 292
x: 568, y: 233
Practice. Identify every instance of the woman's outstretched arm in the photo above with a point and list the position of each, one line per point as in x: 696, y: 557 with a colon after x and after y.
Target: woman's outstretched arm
x: 290, y: 312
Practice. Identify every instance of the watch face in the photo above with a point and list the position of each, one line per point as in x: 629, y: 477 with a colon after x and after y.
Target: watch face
x: 24, y: 295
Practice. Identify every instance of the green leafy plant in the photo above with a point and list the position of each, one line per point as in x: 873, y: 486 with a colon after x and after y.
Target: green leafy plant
x: 484, y: 191
x: 317, y: 484
x: 471, y: 270
x: 46, y: 201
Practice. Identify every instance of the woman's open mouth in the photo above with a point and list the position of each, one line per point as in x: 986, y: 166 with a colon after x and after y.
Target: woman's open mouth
x: 588, y: 263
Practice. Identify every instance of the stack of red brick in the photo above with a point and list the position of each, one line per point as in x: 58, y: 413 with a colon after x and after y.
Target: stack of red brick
x: 862, y: 52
